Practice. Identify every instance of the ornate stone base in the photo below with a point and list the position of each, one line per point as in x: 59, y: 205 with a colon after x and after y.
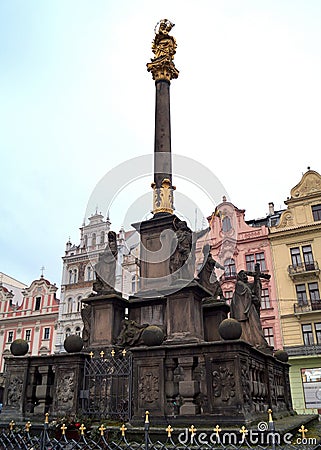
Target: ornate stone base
x: 222, y: 382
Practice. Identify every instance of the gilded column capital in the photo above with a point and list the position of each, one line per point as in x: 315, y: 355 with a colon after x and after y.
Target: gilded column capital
x: 164, y: 47
x: 163, y: 197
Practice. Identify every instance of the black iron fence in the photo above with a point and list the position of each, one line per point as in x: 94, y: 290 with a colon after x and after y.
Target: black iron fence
x: 107, y: 386
x: 265, y: 437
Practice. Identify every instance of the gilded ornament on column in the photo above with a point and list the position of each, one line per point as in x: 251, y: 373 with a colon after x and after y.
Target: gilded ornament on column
x: 163, y: 197
x: 164, y: 49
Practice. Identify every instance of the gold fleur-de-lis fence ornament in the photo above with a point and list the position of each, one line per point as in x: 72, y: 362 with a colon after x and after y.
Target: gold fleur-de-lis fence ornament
x: 303, y: 430
x: 217, y: 430
x: 123, y: 429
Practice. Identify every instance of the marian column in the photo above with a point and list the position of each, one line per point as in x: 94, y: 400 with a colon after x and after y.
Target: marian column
x: 163, y: 70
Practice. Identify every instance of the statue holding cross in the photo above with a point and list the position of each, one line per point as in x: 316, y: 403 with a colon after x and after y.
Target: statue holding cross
x: 246, y: 304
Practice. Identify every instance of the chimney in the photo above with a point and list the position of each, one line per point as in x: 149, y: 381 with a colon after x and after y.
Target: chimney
x: 271, y: 208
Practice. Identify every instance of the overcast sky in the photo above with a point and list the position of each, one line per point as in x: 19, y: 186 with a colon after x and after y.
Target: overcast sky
x: 77, y: 101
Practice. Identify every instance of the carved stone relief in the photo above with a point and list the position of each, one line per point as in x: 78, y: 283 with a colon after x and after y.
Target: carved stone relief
x: 15, y: 391
x: 223, y: 383
x: 148, y: 387
x: 65, y: 389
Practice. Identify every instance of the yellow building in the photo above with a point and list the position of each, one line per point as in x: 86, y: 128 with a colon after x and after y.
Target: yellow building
x: 296, y: 250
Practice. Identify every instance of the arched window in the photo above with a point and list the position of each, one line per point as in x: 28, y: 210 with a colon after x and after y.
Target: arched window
x: 85, y: 240
x: 67, y: 332
x: 93, y: 239
x: 79, y: 303
x: 89, y: 273
x: 69, y: 305
x: 70, y: 276
x: 78, y: 331
x: 75, y: 276
x: 230, y: 269
x: 102, y: 237
x: 226, y: 224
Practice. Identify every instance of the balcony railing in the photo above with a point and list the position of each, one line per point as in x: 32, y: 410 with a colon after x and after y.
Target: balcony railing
x: 298, y: 350
x: 307, y: 307
x: 305, y: 268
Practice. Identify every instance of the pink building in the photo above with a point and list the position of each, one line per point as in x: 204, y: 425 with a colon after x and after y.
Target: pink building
x: 237, y: 246
x: 34, y: 320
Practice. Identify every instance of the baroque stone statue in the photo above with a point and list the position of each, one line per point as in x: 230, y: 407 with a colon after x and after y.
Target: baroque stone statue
x: 207, y: 276
x: 131, y: 333
x: 105, y: 268
x: 181, y: 259
x: 244, y: 308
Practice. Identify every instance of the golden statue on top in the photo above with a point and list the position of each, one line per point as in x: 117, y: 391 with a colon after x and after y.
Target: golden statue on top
x: 164, y: 48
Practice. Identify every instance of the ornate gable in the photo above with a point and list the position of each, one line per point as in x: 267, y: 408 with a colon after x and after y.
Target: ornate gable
x: 310, y: 184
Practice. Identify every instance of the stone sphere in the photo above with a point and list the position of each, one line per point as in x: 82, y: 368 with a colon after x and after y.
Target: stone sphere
x: 281, y: 355
x: 152, y: 335
x: 230, y: 329
x: 73, y: 343
x: 19, y: 347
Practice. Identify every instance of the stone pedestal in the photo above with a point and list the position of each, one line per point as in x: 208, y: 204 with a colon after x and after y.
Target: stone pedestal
x: 213, y: 314
x: 155, y: 246
x: 226, y: 382
x: 184, y: 317
x: 107, y: 313
x: 39, y: 384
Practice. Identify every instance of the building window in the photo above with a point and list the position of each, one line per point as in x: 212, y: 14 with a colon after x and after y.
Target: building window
x: 308, y: 257
x: 78, y: 331
x: 10, y: 336
x: 252, y: 259
x: 75, y: 276
x: 260, y: 259
x: 269, y: 335
x: 93, y: 239
x: 307, y: 334
x: 46, y: 333
x: 68, y: 332
x: 70, y: 277
x: 69, y: 305
x: 89, y: 273
x: 228, y: 296
x: 295, y: 256
x: 316, y: 211
x: 249, y: 263
x: 102, y: 237
x: 38, y: 302
x: 133, y: 283
x: 314, y: 292
x: 226, y: 224
x: 85, y: 240
x: 79, y: 304
x: 265, y: 299
x: 317, y: 327
x: 230, y: 269
x: 301, y: 294
x: 27, y: 335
